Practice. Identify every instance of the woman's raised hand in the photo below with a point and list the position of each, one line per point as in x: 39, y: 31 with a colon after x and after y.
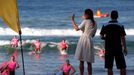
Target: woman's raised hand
x: 73, y: 16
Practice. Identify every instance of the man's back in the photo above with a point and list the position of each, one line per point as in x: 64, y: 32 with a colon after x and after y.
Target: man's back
x: 115, y: 44
x: 113, y: 33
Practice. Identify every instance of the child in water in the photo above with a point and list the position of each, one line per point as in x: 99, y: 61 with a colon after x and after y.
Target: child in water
x: 101, y: 54
x: 14, y: 42
x: 37, y: 45
x: 63, y: 47
x: 67, y: 68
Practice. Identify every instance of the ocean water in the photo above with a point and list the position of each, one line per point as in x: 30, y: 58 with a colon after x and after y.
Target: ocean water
x: 50, y: 22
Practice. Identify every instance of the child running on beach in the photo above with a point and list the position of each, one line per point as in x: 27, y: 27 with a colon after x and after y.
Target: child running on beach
x: 37, y: 45
x: 14, y: 42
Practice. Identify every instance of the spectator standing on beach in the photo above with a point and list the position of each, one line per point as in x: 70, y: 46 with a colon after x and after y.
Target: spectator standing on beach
x: 85, y: 49
x: 115, y: 44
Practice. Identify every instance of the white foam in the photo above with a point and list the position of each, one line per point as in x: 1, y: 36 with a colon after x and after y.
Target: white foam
x: 8, y: 42
x: 50, y: 32
x: 4, y: 42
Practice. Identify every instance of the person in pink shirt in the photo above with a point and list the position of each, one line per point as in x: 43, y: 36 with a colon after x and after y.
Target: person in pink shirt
x: 12, y: 65
x: 5, y: 72
x: 4, y: 69
x: 63, y: 45
x: 8, y: 68
x: 101, y: 54
x: 37, y: 45
x: 67, y: 68
x: 14, y: 42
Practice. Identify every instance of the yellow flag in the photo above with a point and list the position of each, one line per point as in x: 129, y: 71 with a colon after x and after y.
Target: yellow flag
x: 9, y: 14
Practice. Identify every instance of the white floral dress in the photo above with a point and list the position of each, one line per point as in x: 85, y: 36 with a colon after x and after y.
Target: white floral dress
x: 85, y: 49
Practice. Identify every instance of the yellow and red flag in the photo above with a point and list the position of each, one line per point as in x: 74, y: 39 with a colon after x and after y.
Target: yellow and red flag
x: 9, y: 14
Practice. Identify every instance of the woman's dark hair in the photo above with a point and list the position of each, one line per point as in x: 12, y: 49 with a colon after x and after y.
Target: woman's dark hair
x: 91, y: 15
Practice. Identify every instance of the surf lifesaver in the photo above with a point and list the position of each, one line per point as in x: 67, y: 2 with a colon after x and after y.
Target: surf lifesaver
x: 101, y: 16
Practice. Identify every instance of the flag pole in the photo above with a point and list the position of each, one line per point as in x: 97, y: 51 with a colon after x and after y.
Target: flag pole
x: 22, y: 56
